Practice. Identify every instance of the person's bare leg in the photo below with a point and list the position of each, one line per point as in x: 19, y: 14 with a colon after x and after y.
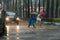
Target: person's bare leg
x: 28, y: 26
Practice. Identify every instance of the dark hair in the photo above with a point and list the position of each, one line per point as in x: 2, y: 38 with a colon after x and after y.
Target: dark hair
x: 34, y: 11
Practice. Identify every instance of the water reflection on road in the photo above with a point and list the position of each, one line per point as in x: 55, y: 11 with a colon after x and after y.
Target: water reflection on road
x: 15, y: 32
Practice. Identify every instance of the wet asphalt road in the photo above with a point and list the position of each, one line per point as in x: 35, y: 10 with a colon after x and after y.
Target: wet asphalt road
x: 22, y: 32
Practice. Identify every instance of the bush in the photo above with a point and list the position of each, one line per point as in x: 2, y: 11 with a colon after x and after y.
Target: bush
x: 52, y: 19
x: 56, y: 19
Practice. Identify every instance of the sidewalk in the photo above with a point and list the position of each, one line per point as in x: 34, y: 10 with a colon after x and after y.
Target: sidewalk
x: 25, y: 23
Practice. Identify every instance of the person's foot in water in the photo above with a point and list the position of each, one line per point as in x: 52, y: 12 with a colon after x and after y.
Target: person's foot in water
x: 34, y: 26
x: 28, y: 26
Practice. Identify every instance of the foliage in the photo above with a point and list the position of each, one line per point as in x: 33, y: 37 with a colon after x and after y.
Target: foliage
x: 56, y: 19
x: 52, y: 19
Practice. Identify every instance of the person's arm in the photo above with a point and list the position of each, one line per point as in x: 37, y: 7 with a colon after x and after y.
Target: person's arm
x: 35, y: 13
x: 32, y: 13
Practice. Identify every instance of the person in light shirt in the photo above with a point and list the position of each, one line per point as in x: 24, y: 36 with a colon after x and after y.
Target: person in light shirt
x: 41, y: 15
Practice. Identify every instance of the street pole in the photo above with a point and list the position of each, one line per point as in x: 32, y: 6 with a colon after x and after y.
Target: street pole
x: 52, y: 8
x: 48, y: 2
x: 28, y: 9
x: 2, y: 4
x: 56, y: 11
x: 39, y: 5
x: 43, y: 5
x: 47, y: 10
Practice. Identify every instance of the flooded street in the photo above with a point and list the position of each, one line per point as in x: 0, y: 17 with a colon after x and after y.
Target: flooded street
x: 15, y: 32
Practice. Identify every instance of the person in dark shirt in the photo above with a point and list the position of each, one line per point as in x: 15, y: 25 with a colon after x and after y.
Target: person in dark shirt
x: 32, y: 19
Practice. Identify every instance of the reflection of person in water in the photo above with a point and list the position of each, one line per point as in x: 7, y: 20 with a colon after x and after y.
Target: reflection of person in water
x: 32, y: 19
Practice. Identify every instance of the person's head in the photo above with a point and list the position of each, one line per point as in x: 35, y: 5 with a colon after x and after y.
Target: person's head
x: 34, y: 11
x: 41, y: 10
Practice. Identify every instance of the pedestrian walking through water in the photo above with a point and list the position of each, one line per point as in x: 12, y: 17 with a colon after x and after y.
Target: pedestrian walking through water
x: 32, y: 19
x: 41, y: 15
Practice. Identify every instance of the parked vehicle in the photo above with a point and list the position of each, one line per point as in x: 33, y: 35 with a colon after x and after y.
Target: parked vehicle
x: 3, y: 30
